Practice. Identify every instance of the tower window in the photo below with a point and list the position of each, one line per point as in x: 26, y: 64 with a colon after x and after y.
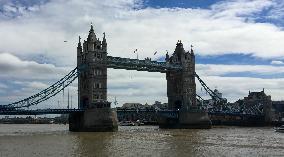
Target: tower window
x: 98, y: 72
x: 97, y: 85
x: 99, y: 56
x: 96, y: 97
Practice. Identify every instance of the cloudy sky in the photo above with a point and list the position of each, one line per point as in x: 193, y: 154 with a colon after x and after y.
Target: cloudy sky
x: 239, y: 44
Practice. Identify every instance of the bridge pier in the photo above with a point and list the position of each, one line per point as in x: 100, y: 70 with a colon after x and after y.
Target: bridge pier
x: 186, y: 120
x: 93, y: 120
x: 194, y: 120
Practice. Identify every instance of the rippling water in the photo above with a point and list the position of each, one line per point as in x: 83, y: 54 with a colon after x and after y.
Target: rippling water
x: 55, y: 140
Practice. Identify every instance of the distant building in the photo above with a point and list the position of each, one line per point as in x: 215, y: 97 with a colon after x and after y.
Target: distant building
x: 132, y: 106
x: 211, y: 102
x: 278, y: 110
x: 260, y: 98
x: 159, y: 106
x: 156, y: 106
x: 256, y: 98
x: 219, y: 94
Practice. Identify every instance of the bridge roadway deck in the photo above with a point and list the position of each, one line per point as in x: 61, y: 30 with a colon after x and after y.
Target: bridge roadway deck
x: 172, y: 114
x: 169, y: 113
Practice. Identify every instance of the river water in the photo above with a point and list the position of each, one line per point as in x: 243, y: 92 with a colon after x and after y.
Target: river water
x: 52, y: 140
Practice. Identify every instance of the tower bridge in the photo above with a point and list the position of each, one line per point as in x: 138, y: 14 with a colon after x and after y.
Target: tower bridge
x: 94, y: 112
x: 181, y: 88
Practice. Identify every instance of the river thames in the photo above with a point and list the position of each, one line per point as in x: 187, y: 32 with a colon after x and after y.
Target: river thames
x: 28, y: 140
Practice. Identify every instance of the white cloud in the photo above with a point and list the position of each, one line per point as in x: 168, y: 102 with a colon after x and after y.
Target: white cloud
x: 236, y: 8
x: 35, y: 85
x: 226, y: 27
x: 219, y: 69
x: 13, y: 67
x: 235, y: 88
x: 277, y: 13
x: 277, y: 62
x: 3, y: 86
x: 24, y: 78
x: 217, y: 30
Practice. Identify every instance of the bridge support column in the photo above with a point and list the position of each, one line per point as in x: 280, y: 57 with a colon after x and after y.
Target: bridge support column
x: 94, y: 120
x: 194, y: 120
x: 186, y: 120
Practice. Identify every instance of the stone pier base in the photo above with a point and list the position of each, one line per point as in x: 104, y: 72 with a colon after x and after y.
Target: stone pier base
x: 186, y: 120
x: 93, y: 120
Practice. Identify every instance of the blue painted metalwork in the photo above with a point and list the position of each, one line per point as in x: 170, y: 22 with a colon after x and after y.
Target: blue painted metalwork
x: 220, y: 105
x: 39, y: 111
x: 174, y: 113
x: 168, y: 114
x: 129, y: 64
x: 46, y: 93
x: 140, y: 65
x: 208, y: 90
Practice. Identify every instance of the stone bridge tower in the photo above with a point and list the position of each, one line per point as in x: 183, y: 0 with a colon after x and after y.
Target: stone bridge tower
x: 92, y: 88
x: 181, y: 91
x: 181, y: 87
x: 92, y: 80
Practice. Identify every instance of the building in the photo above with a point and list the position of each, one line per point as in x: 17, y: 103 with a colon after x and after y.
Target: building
x: 92, y: 87
x: 160, y: 106
x: 210, y: 103
x: 257, y: 98
x: 92, y: 81
x: 278, y: 111
x: 219, y: 94
x: 260, y: 99
x: 132, y: 106
x: 181, y: 87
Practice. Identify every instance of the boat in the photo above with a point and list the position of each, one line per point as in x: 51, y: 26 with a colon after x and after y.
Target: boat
x: 127, y: 123
x: 280, y: 129
x: 138, y: 123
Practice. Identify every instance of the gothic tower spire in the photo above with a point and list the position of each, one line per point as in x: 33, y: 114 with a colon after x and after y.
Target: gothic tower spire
x: 104, y: 43
x: 92, y: 36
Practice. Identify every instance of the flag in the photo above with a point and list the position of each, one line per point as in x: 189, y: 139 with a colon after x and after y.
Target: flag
x: 155, y: 53
x: 135, y: 50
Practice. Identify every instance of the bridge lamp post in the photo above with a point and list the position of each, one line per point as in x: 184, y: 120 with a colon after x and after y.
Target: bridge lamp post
x: 115, y: 102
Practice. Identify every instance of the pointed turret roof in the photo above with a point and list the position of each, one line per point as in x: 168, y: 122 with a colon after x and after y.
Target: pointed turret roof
x: 79, y: 43
x: 179, y: 50
x: 104, y: 38
x: 92, y: 35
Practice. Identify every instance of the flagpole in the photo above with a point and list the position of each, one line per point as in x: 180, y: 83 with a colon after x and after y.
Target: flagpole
x: 137, y: 54
x: 135, y: 51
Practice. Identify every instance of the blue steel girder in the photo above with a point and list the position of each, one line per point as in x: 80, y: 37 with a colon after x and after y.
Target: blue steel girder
x: 256, y: 109
x: 46, y: 93
x: 140, y: 65
x: 40, y: 111
x: 208, y: 90
x: 120, y: 63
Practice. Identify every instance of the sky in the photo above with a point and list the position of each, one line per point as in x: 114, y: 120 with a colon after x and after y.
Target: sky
x: 238, y: 45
